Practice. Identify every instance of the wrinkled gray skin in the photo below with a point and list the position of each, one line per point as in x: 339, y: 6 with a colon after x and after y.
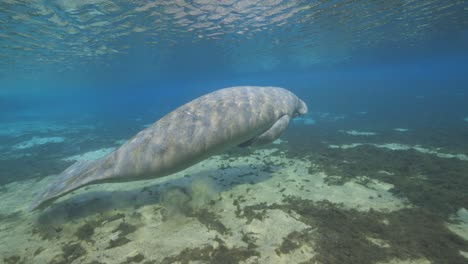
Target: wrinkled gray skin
x: 237, y: 116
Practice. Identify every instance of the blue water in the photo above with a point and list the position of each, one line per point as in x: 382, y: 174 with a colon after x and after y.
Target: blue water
x: 95, y: 72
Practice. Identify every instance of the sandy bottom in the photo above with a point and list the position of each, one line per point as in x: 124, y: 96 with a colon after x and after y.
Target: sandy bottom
x: 196, y: 214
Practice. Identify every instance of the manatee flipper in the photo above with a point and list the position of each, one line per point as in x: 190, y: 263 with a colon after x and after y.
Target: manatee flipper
x: 273, y: 133
x: 72, y: 178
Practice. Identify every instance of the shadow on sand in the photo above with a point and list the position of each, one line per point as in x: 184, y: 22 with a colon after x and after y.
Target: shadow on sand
x: 100, y: 202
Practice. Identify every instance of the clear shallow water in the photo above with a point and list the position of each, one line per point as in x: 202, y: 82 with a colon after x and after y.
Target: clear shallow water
x: 375, y: 173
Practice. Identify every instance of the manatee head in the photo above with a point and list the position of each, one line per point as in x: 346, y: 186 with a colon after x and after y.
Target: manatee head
x: 301, y: 108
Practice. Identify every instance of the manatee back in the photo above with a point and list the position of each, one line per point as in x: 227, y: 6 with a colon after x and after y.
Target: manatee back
x: 201, y: 128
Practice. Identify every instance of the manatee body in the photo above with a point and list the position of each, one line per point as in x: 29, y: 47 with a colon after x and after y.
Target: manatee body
x: 236, y: 116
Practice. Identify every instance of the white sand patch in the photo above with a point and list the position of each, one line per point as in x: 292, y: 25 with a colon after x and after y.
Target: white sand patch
x: 359, y: 133
x: 397, y: 146
x: 15, y: 221
x: 329, y: 117
x: 346, y: 146
x: 36, y: 141
x: 16, y: 129
x: 296, y: 181
x: 460, y: 223
x: 401, y: 129
x: 464, y: 254
x: 279, y: 141
x: 378, y: 242
x: 91, y: 155
x: 305, y: 120
x: 269, y: 241
x: 386, y: 172
x: 406, y: 261
x: 120, y: 142
x: 16, y: 195
x: 266, y: 176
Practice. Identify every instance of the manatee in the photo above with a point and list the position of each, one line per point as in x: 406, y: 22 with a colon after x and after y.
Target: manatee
x: 236, y: 116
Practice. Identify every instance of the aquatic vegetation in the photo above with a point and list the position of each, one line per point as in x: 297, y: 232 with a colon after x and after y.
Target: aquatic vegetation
x: 340, y: 235
x: 119, y: 235
x: 70, y: 252
x: 11, y: 217
x: 426, y: 180
x: 210, y: 254
x: 231, y: 210
x: 12, y: 259
x: 210, y: 220
x: 136, y: 258
x: 86, y: 231
x: 293, y: 241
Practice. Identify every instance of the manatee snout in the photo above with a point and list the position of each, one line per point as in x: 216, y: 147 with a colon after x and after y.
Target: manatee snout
x: 301, y: 108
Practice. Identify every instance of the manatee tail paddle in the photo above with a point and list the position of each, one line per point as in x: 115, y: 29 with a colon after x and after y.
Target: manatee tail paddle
x: 72, y: 178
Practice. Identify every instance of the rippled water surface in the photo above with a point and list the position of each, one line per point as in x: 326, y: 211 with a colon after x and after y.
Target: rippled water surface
x: 65, y: 34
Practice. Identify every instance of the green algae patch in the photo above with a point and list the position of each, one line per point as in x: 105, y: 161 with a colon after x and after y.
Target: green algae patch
x: 341, y: 235
x: 70, y: 252
x: 12, y: 260
x: 252, y: 212
x: 210, y: 220
x: 119, y: 241
x: 436, y: 184
x: 137, y: 258
x: 11, y: 217
x: 249, y: 239
x: 293, y: 241
x: 86, y: 231
x: 210, y: 254
x: 126, y: 228
x: 122, y: 230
